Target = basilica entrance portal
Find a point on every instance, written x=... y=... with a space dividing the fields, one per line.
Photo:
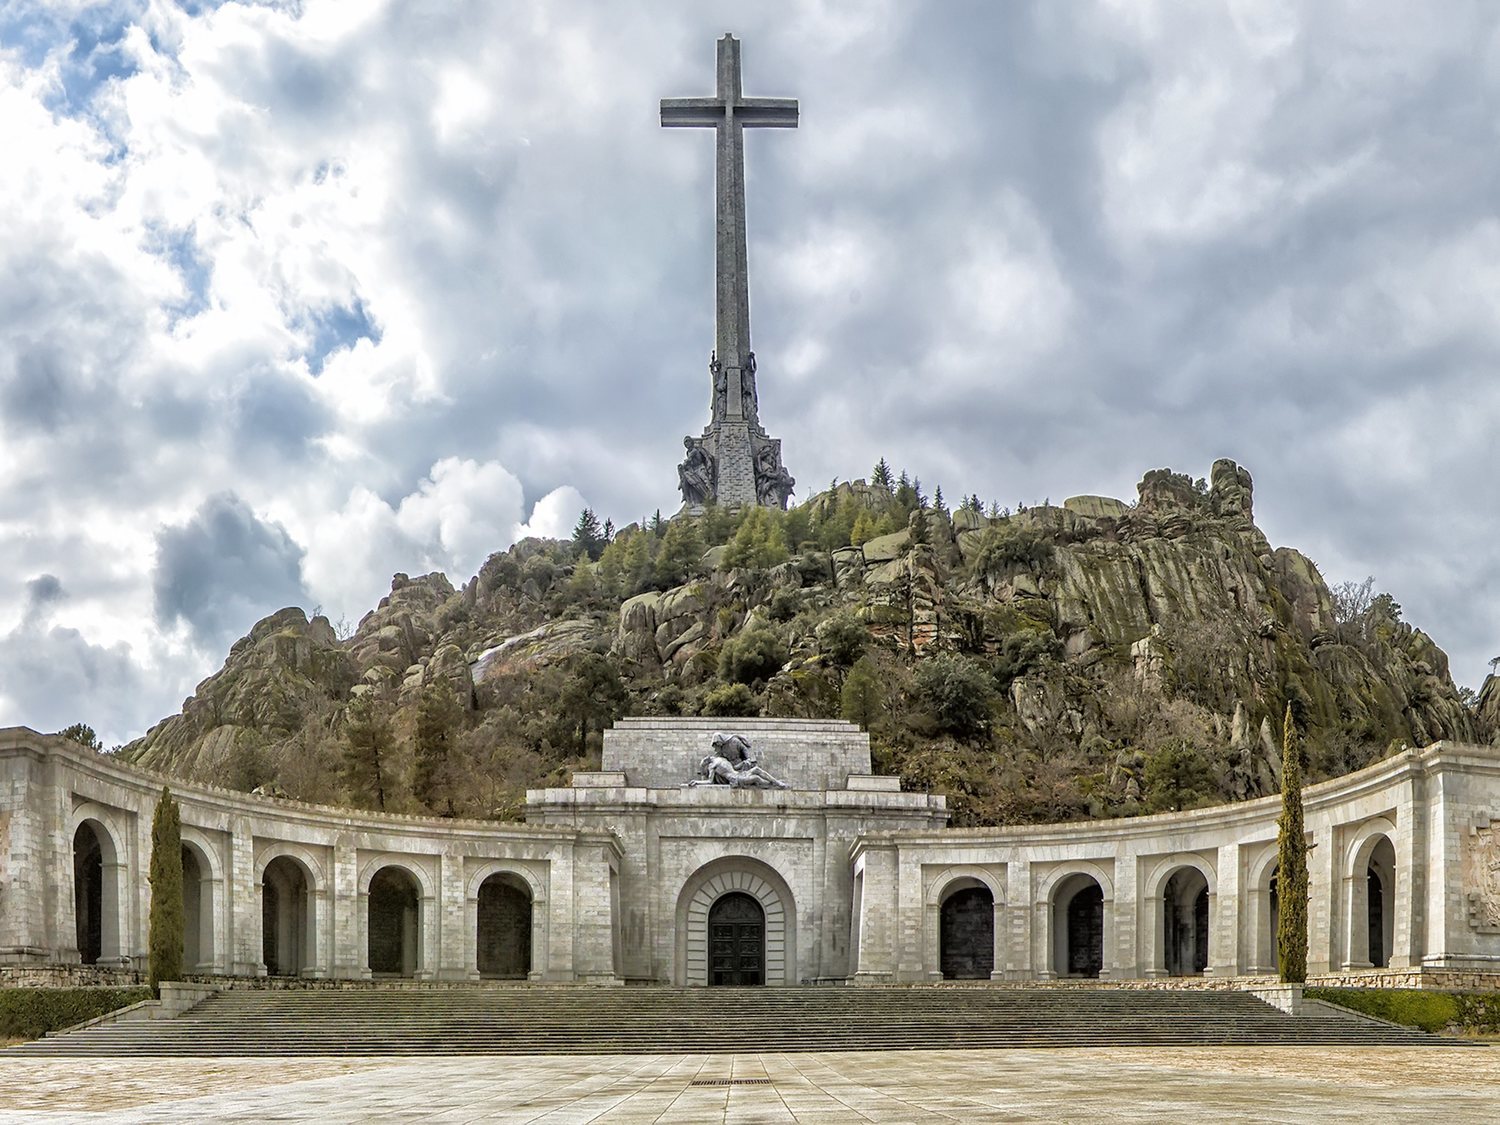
x=736 y=941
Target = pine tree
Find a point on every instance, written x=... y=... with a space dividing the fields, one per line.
x=1291 y=862
x=436 y=728
x=165 y=953
x=881 y=476
x=921 y=527
x=658 y=525
x=367 y=748
x=588 y=536
x=862 y=531
x=680 y=554
x=938 y=505
x=860 y=699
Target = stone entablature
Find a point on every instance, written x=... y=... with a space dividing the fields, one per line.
x=618 y=877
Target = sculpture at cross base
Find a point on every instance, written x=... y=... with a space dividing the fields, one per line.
x=695 y=476
x=733 y=763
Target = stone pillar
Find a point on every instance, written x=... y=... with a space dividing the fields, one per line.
x=1224 y=915
x=876 y=943
x=1323 y=908
x=1020 y=963
x=1154 y=927
x=1355 y=896
x=1411 y=874
x=245 y=890
x=1122 y=955
x=999 y=936
x=429 y=921
x=346 y=952
x=909 y=918
x=456 y=928
x=593 y=924
x=557 y=964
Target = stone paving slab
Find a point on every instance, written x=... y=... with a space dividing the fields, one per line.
x=1287 y=1084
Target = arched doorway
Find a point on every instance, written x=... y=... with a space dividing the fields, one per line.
x=394 y=923
x=197 y=914
x=503 y=937
x=88 y=893
x=286 y=918
x=966 y=933
x=736 y=940
x=1078 y=926
x=1380 y=892
x=1184 y=904
x=704 y=888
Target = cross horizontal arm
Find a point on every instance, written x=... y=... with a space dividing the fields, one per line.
x=691 y=112
x=769 y=113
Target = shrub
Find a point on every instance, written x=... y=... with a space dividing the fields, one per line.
x=842 y=639
x=29 y=1013
x=957 y=693
x=1430 y=1011
x=755 y=654
x=731 y=701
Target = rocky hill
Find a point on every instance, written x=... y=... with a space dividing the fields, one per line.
x=1097 y=658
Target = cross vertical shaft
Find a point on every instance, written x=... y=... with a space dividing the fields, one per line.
x=729 y=113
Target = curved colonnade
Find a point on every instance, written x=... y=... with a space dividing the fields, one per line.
x=614 y=882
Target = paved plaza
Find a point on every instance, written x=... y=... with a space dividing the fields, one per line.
x=1279 y=1083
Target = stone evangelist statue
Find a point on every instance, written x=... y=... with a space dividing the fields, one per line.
x=733 y=763
x=695 y=476
x=773 y=484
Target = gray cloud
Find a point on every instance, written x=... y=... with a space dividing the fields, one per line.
x=224 y=569
x=1024 y=250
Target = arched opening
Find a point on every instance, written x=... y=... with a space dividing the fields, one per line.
x=286 y=918
x=1380 y=877
x=503 y=940
x=88 y=893
x=1273 y=897
x=966 y=933
x=1078 y=923
x=393 y=925
x=703 y=889
x=197 y=913
x=1184 y=904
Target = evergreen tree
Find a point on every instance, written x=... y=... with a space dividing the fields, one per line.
x=588 y=536
x=860 y=700
x=863 y=529
x=1291 y=862
x=609 y=530
x=906 y=494
x=937 y=502
x=367 y=748
x=166 y=942
x=758 y=542
x=921 y=527
x=593 y=697
x=658 y=525
x=640 y=571
x=83 y=734
x=680 y=555
x=880 y=477
x=438 y=716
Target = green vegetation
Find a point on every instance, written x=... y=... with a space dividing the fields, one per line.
x=1473 y=1012
x=165 y=945
x=1034 y=666
x=1291 y=862
x=30 y=1013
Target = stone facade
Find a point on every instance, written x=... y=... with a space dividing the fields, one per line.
x=622 y=876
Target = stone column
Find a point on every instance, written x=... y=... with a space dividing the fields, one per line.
x=455 y=933
x=1224 y=915
x=876 y=962
x=346 y=952
x=909 y=918
x=1322 y=901
x=1020 y=963
x=1154 y=926
x=1122 y=954
x=593 y=924
x=245 y=891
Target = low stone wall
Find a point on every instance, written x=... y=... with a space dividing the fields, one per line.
x=67 y=976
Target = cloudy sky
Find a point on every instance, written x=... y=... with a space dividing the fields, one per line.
x=295 y=295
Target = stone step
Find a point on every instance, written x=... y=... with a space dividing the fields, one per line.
x=650 y=1021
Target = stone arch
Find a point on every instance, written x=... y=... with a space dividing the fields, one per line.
x=724 y=876
x=306 y=859
x=202 y=902
x=1180 y=904
x=101 y=908
x=503 y=930
x=1078 y=901
x=481 y=922
x=393 y=921
x=1261 y=888
x=287 y=883
x=963 y=935
x=1371 y=886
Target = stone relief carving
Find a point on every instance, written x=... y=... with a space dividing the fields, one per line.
x=721 y=387
x=695 y=476
x=1482 y=876
x=734 y=763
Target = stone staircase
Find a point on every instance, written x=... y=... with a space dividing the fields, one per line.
x=549 y=1021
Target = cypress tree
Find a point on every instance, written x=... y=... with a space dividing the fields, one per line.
x=1291 y=862
x=165 y=952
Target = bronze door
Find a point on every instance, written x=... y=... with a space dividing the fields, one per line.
x=736 y=941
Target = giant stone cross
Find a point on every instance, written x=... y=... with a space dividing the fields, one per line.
x=734 y=462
